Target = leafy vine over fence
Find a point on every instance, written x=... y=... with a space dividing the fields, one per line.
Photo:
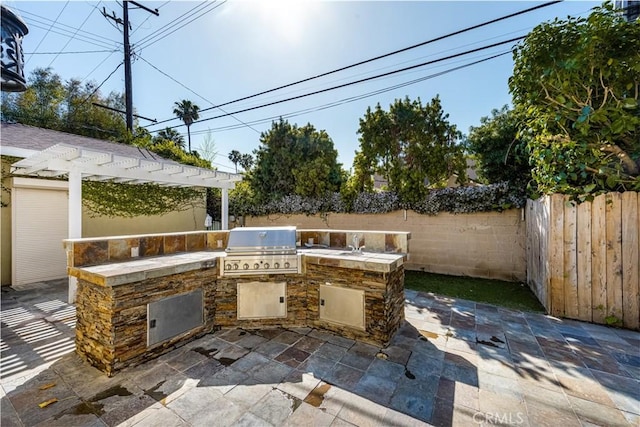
x=495 y=197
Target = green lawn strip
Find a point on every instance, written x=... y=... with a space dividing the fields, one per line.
x=517 y=296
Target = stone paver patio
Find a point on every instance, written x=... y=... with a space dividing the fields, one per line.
x=454 y=362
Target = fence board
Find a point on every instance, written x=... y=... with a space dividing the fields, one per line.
x=570 y=273
x=556 y=254
x=584 y=261
x=598 y=260
x=614 y=254
x=630 y=260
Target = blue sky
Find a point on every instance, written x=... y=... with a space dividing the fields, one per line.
x=236 y=48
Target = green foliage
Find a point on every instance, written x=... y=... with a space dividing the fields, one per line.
x=295 y=160
x=500 y=155
x=411 y=146
x=244 y=160
x=494 y=197
x=124 y=200
x=49 y=103
x=5 y=191
x=576 y=84
x=68 y=107
x=169 y=150
x=188 y=112
x=117 y=199
x=234 y=157
x=242 y=199
x=169 y=134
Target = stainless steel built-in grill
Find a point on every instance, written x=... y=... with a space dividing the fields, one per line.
x=261 y=250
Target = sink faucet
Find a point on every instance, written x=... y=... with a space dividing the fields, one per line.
x=356 y=244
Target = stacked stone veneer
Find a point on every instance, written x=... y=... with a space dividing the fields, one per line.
x=111 y=328
x=383 y=294
x=111 y=331
x=104 y=250
x=227 y=294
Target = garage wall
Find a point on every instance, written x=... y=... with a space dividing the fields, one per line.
x=30 y=244
x=39 y=211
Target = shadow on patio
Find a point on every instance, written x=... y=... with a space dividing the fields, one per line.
x=453 y=362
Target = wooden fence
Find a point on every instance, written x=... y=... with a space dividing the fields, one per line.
x=582 y=259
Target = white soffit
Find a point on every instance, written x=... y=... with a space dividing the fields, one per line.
x=61 y=159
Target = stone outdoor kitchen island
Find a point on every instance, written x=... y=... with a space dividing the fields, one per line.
x=142 y=296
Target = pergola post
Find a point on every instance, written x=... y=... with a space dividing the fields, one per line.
x=75 y=220
x=81 y=162
x=225 y=209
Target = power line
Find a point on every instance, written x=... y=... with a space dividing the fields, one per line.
x=103 y=82
x=511 y=15
x=69 y=52
x=72 y=37
x=147 y=18
x=59 y=25
x=195 y=93
x=84 y=39
x=47 y=33
x=171 y=23
x=98 y=66
x=355 y=97
x=360 y=80
x=152 y=42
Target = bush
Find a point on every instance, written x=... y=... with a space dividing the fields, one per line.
x=495 y=197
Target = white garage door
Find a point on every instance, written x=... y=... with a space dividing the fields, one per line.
x=39 y=215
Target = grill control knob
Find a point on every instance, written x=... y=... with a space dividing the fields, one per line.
x=235 y=266
x=266 y=265
x=245 y=266
x=276 y=265
x=286 y=264
x=256 y=266
x=227 y=267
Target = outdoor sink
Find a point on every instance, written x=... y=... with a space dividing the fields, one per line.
x=350 y=253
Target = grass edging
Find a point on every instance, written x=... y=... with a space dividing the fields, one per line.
x=512 y=295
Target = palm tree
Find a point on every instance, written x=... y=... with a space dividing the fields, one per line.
x=235 y=157
x=187 y=111
x=170 y=135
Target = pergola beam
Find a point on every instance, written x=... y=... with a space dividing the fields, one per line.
x=79 y=164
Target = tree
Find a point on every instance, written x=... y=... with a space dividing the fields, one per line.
x=49 y=103
x=235 y=157
x=412 y=146
x=208 y=147
x=500 y=154
x=576 y=84
x=169 y=134
x=289 y=157
x=187 y=111
x=246 y=161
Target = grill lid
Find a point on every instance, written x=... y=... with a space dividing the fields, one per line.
x=255 y=240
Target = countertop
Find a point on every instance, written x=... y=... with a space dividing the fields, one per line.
x=120 y=273
x=370 y=261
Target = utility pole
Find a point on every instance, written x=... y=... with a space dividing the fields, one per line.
x=128 y=85
x=128 y=90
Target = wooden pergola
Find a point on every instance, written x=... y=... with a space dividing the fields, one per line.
x=79 y=164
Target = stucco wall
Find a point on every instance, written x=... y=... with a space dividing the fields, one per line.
x=190 y=220
x=486 y=245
